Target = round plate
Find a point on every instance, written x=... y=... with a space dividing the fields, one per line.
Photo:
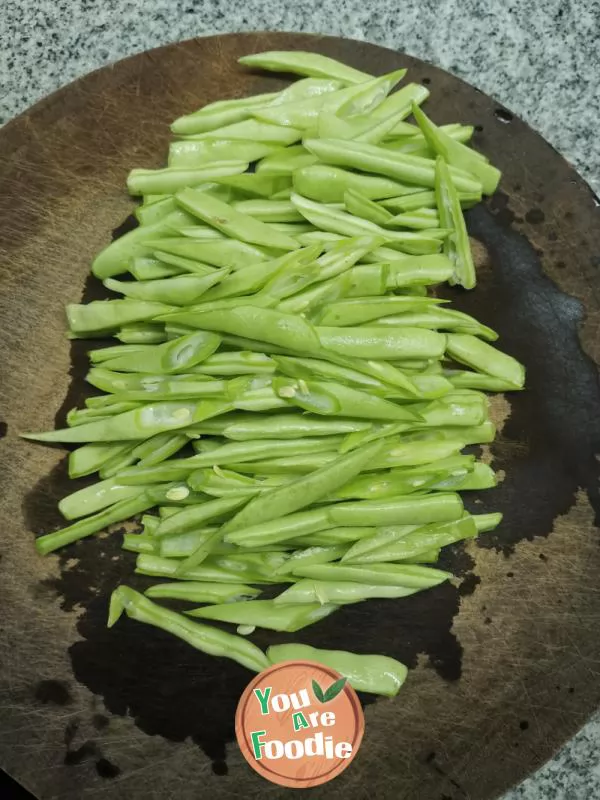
x=504 y=660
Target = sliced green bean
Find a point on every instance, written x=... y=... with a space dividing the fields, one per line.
x=337 y=221
x=366 y=673
x=303 y=63
x=284 y=500
x=469 y=350
x=279 y=530
x=203 y=592
x=338 y=592
x=231 y=221
x=102 y=316
x=457 y=154
x=202 y=637
x=181 y=290
x=172 y=179
x=396 y=166
x=190 y=153
x=266 y=614
x=398 y=511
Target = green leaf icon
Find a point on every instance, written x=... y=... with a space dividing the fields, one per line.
x=318 y=692
x=334 y=689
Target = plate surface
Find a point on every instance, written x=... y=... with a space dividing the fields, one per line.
x=505 y=661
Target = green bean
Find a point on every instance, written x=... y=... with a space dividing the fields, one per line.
x=159 y=567
x=182 y=545
x=447 y=437
x=150 y=213
x=232 y=222
x=401 y=101
x=172 y=179
x=269 y=210
x=411 y=544
x=328 y=397
x=306 y=368
x=141 y=333
x=94 y=498
x=181 y=290
x=158 y=448
x=398 y=511
x=91 y=457
x=257 y=185
x=118 y=512
x=361 y=206
x=101 y=316
x=139 y=543
x=279 y=530
x=304 y=63
x=203 y=592
x=476 y=380
x=422 y=200
x=457 y=154
x=382 y=537
x=115 y=258
x=332 y=537
x=139 y=423
x=253 y=130
x=311 y=555
x=282 y=426
x=210 y=117
x=285 y=162
x=469 y=350
x=221 y=483
x=366 y=673
x=328 y=184
x=382 y=343
x=114 y=465
x=266 y=614
x=359 y=310
x=190 y=153
x=338 y=592
x=355 y=99
x=487 y=522
x=236 y=363
x=482 y=476
x=172 y=357
x=218 y=253
x=336 y=221
x=195 y=516
x=80 y=416
x=416 y=221
x=442 y=319
x=202 y=637
x=266 y=325
x=185 y=265
x=284 y=500
x=412 y=576
x=457 y=246
x=396 y=166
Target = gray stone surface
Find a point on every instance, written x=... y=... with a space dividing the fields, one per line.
x=539 y=58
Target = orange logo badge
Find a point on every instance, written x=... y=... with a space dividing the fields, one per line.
x=299 y=724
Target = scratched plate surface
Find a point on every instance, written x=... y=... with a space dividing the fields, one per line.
x=504 y=661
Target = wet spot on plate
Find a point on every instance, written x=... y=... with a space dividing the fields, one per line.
x=53 y=692
x=107 y=769
x=100 y=722
x=545 y=462
x=503 y=115
x=81 y=754
x=535 y=216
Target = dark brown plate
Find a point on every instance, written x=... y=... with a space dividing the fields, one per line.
x=504 y=663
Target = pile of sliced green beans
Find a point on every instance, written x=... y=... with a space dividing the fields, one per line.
x=286 y=394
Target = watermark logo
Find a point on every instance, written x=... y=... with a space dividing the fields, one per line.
x=299 y=724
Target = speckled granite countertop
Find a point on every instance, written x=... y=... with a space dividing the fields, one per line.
x=539 y=58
